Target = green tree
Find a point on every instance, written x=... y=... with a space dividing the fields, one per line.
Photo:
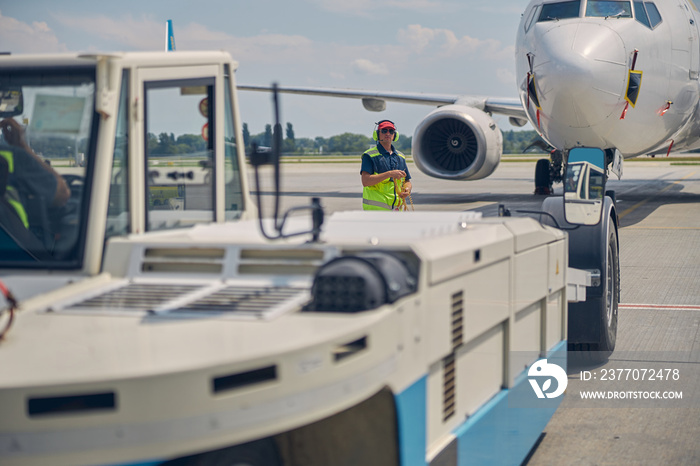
x=267 y=137
x=166 y=144
x=516 y=142
x=189 y=143
x=321 y=144
x=404 y=144
x=348 y=143
x=289 y=144
x=246 y=135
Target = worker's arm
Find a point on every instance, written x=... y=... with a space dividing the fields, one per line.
x=371 y=180
x=14 y=135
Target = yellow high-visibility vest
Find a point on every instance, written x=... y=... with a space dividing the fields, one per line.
x=11 y=194
x=381 y=196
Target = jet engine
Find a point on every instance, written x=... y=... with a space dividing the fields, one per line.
x=457 y=142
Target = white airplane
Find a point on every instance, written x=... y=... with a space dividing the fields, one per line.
x=621 y=76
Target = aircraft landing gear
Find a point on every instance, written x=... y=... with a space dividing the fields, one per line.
x=543 y=181
x=547 y=173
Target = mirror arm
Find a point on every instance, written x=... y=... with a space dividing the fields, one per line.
x=273 y=157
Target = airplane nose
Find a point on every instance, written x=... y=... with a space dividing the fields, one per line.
x=581 y=73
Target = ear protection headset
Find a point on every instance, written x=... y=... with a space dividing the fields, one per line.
x=375 y=134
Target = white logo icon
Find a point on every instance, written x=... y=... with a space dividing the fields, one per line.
x=542 y=369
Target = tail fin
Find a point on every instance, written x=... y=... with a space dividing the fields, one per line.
x=169 y=36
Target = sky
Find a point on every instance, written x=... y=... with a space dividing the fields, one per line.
x=432 y=46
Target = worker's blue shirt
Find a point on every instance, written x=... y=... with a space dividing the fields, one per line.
x=384 y=162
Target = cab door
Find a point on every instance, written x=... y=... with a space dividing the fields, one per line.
x=174 y=163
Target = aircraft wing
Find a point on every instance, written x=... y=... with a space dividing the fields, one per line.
x=375 y=101
x=459 y=140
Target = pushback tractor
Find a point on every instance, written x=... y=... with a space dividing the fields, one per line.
x=161 y=320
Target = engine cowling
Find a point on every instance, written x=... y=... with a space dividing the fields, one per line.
x=457 y=142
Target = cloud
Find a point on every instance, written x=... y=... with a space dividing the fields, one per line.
x=369 y=7
x=444 y=43
x=364 y=66
x=144 y=33
x=19 y=37
x=506 y=76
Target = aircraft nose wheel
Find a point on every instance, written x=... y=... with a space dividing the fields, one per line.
x=543 y=182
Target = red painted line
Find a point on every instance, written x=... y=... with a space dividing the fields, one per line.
x=679 y=307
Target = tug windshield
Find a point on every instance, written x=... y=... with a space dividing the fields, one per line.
x=47 y=122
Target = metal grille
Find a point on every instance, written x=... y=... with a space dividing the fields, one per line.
x=252 y=301
x=449 y=388
x=457 y=322
x=136 y=296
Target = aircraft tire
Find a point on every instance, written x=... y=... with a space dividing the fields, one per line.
x=543 y=182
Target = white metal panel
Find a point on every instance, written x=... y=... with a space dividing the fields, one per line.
x=530 y=234
x=457 y=255
x=526 y=338
x=531 y=272
x=480 y=370
x=558 y=262
x=555 y=326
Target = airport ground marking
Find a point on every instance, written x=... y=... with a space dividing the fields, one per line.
x=641 y=203
x=660 y=307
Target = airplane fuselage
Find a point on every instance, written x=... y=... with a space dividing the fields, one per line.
x=573 y=63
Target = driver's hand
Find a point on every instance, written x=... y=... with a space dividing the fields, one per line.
x=12 y=132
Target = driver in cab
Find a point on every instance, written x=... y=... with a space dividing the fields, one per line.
x=25 y=177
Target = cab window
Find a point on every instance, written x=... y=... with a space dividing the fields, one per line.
x=48 y=133
x=118 y=209
x=179 y=153
x=560 y=10
x=232 y=175
x=608 y=9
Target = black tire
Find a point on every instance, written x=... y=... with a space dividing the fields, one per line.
x=543 y=182
x=604 y=307
x=262 y=452
x=611 y=296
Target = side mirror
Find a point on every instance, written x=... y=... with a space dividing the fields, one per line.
x=11 y=102
x=584 y=186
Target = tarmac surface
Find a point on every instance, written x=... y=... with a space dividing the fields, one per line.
x=658 y=342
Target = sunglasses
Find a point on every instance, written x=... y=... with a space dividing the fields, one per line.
x=386 y=130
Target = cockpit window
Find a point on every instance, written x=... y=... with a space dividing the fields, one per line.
x=640 y=14
x=560 y=10
x=47 y=122
x=531 y=18
x=653 y=12
x=647 y=14
x=608 y=9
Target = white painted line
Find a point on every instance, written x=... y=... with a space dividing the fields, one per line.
x=660 y=307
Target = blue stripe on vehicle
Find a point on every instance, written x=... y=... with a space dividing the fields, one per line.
x=412 y=423
x=503 y=432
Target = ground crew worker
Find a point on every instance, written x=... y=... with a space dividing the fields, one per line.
x=28 y=174
x=381 y=165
